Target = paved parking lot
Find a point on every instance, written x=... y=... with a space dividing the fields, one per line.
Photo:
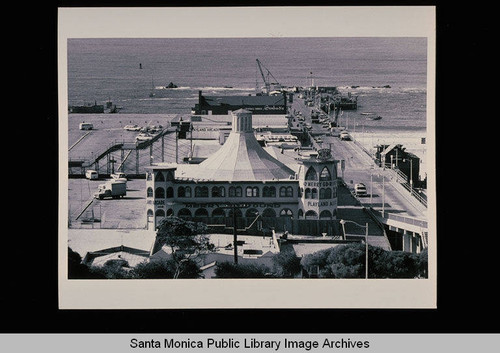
x=125 y=213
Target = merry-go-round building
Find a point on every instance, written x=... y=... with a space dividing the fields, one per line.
x=242 y=177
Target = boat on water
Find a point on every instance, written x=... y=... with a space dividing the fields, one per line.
x=87 y=108
x=171 y=85
x=378 y=117
x=152 y=93
x=366 y=113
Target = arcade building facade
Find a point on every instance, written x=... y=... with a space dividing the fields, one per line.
x=241 y=177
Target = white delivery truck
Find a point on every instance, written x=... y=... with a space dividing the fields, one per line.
x=112 y=188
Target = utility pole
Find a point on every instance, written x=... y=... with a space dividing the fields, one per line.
x=235 y=236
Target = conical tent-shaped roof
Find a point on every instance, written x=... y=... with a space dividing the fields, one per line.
x=241 y=158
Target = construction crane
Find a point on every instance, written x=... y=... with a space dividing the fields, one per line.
x=267 y=83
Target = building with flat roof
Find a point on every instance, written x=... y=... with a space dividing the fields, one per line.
x=243 y=178
x=259 y=104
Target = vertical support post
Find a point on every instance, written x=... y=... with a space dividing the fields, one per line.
x=177 y=145
x=235 y=236
x=383 y=195
x=137 y=162
x=366 y=251
x=163 y=147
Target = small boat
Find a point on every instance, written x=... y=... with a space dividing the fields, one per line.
x=171 y=85
x=367 y=113
x=152 y=93
x=378 y=117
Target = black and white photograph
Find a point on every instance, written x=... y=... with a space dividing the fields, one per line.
x=285 y=165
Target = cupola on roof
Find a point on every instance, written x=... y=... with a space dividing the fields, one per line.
x=241 y=158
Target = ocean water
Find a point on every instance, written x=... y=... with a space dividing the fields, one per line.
x=110 y=69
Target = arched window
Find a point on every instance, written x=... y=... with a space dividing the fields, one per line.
x=188 y=191
x=314 y=193
x=150 y=213
x=218 y=191
x=328 y=193
x=252 y=191
x=251 y=212
x=282 y=191
x=170 y=212
x=322 y=194
x=325 y=214
x=311 y=215
x=235 y=191
x=201 y=212
x=170 y=192
x=308 y=193
x=325 y=175
x=160 y=193
x=150 y=192
x=301 y=213
x=159 y=177
x=160 y=213
x=269 y=212
x=237 y=212
x=149 y=176
x=184 y=212
x=218 y=212
x=286 y=212
x=201 y=191
x=170 y=175
x=289 y=191
x=311 y=174
x=181 y=191
x=269 y=191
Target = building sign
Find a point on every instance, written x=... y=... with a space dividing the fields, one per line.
x=320 y=204
x=237 y=205
x=319 y=184
x=324 y=153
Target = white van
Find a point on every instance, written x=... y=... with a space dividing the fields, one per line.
x=86 y=126
x=119 y=176
x=91 y=174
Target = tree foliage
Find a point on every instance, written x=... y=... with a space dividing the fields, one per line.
x=186 y=240
x=164 y=269
x=232 y=270
x=349 y=261
x=286 y=264
x=78 y=270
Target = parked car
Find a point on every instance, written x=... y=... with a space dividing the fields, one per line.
x=344 y=135
x=132 y=127
x=143 y=137
x=360 y=189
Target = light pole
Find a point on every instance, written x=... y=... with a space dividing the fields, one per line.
x=371 y=185
x=411 y=173
x=383 y=195
x=343 y=222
